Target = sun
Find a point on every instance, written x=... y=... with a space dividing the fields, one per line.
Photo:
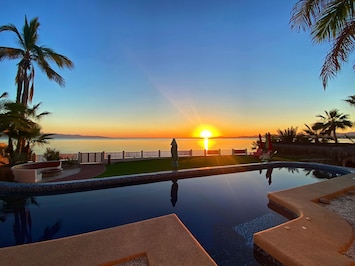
x=205 y=133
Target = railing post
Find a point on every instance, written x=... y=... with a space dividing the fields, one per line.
x=219 y=152
x=159 y=153
x=142 y=154
x=122 y=155
x=109 y=159
x=191 y=152
x=205 y=152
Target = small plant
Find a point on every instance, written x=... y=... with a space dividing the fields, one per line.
x=51 y=155
x=70 y=161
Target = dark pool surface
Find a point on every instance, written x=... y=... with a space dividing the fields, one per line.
x=221 y=211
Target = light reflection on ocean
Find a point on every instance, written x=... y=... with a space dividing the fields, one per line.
x=138 y=144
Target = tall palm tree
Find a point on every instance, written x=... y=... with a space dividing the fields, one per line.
x=28 y=53
x=329 y=21
x=332 y=121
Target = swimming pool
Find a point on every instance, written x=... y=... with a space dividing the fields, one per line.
x=221 y=211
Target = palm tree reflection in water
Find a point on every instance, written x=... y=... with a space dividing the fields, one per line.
x=22 y=226
x=268 y=175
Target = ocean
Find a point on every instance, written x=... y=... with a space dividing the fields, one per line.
x=75 y=145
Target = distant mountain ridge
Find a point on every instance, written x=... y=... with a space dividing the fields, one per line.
x=76 y=136
x=348 y=134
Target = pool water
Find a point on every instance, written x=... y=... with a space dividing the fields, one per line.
x=221 y=211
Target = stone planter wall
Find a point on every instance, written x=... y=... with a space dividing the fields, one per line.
x=344 y=154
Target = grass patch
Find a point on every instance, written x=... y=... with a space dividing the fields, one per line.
x=165 y=164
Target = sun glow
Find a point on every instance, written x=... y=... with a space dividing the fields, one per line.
x=206 y=134
x=205 y=131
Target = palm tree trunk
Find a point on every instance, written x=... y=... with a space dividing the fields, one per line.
x=335 y=136
x=19 y=90
x=19 y=81
x=26 y=85
x=10 y=147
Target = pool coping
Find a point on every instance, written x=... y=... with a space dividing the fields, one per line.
x=318 y=236
x=160 y=241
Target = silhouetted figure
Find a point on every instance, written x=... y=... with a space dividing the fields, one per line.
x=174 y=192
x=268 y=175
x=174 y=154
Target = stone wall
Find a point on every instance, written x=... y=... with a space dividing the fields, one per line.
x=342 y=153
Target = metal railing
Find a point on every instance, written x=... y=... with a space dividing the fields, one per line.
x=101 y=157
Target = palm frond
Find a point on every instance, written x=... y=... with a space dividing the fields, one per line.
x=52 y=75
x=10 y=53
x=60 y=60
x=4 y=95
x=342 y=47
x=351 y=100
x=304 y=13
x=332 y=20
x=12 y=28
x=30 y=33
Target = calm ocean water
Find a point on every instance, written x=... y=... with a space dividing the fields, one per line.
x=138 y=144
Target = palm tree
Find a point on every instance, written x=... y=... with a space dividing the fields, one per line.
x=28 y=53
x=329 y=21
x=312 y=132
x=288 y=135
x=332 y=121
x=17 y=124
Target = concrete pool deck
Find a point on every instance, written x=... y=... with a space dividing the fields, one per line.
x=317 y=237
x=158 y=241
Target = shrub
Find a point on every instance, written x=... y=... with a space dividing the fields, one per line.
x=51 y=155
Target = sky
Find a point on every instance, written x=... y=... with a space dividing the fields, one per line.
x=164 y=68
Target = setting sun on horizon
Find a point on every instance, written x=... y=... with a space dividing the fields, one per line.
x=205 y=131
x=206 y=134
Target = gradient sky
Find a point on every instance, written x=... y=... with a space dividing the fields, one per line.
x=163 y=68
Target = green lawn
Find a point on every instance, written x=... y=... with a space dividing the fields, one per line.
x=165 y=164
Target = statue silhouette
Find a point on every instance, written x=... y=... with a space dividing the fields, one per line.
x=174 y=192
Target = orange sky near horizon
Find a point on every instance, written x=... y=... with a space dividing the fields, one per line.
x=178 y=131
x=158 y=132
